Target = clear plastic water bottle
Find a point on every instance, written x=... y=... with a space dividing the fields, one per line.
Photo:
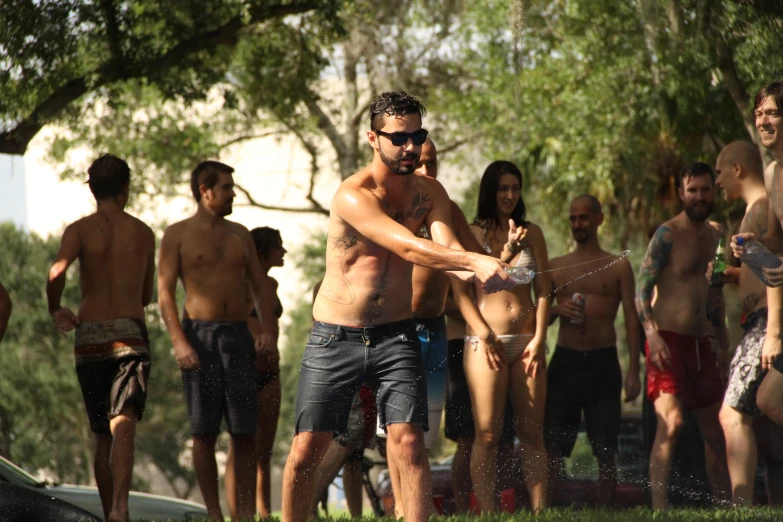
x=521 y=275
x=757 y=256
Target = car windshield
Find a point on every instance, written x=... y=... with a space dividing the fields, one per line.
x=12 y=473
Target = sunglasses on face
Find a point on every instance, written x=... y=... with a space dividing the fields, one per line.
x=399 y=139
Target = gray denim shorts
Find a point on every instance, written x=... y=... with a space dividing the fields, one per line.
x=338 y=359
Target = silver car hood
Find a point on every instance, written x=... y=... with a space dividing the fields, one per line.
x=141 y=505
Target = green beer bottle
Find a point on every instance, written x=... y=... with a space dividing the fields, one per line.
x=718 y=265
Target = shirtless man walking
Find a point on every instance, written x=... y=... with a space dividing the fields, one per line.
x=682 y=366
x=116 y=254
x=739 y=172
x=584 y=372
x=215 y=258
x=363 y=329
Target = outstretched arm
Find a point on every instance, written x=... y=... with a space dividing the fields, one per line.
x=364 y=213
x=70 y=248
x=5 y=310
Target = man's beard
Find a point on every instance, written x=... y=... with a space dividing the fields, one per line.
x=698 y=211
x=580 y=236
x=396 y=166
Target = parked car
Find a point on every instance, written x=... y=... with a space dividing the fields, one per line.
x=142 y=505
x=577 y=490
x=21 y=504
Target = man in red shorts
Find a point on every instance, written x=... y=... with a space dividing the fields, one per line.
x=682 y=364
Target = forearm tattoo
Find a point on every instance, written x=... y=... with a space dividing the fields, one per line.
x=655 y=259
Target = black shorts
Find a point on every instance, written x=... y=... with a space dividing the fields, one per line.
x=338 y=359
x=110 y=385
x=589 y=381
x=460 y=423
x=225 y=383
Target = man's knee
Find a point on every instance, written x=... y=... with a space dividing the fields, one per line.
x=670 y=424
x=730 y=418
x=408 y=442
x=308 y=448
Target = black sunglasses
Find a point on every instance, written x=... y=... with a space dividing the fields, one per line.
x=399 y=139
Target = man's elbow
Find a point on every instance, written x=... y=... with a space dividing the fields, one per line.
x=56 y=272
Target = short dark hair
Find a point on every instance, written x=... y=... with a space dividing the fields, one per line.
x=207 y=173
x=595 y=205
x=108 y=176
x=393 y=104
x=772 y=90
x=694 y=170
x=487 y=212
x=266 y=238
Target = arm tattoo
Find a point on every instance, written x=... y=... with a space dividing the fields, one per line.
x=418 y=210
x=336 y=287
x=654 y=260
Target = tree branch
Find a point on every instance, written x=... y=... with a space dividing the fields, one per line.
x=316 y=208
x=113 y=33
x=735 y=86
x=324 y=123
x=16 y=140
x=457 y=144
x=247 y=137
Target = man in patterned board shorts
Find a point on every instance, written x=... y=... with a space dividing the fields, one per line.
x=739 y=173
x=116 y=254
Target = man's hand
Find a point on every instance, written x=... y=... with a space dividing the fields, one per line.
x=265 y=344
x=633 y=386
x=737 y=249
x=187 y=358
x=534 y=357
x=770 y=351
x=660 y=355
x=491 y=272
x=494 y=350
x=568 y=309
x=65 y=320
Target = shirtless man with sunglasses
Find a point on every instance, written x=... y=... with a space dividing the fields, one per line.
x=363 y=329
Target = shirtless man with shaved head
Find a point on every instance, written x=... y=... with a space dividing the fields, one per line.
x=739 y=172
x=584 y=372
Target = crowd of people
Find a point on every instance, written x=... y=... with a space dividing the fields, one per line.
x=420 y=311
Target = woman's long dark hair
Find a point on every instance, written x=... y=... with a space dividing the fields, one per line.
x=487 y=212
x=265 y=239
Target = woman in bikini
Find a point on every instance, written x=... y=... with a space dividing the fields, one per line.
x=270 y=251
x=505 y=346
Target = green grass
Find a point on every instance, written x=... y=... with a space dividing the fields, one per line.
x=635 y=515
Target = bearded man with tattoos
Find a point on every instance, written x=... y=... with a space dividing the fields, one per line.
x=682 y=365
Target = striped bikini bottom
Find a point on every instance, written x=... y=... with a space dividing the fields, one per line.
x=514 y=344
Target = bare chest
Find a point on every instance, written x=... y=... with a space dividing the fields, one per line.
x=205 y=251
x=690 y=255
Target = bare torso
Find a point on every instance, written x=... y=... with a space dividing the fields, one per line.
x=602 y=293
x=681 y=299
x=509 y=311
x=116 y=264
x=752 y=292
x=213 y=269
x=366 y=284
